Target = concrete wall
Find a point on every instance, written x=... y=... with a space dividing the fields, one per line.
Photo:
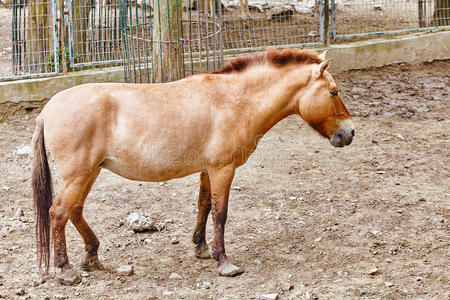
x=411 y=49
x=414 y=48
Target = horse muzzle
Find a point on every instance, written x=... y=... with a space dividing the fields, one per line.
x=343 y=136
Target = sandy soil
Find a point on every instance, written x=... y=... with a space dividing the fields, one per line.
x=306 y=220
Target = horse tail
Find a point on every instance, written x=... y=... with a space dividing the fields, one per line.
x=42 y=196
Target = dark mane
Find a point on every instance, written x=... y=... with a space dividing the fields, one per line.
x=278 y=58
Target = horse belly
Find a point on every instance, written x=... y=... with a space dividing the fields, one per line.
x=153 y=169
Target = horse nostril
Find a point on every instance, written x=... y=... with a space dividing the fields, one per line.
x=353 y=132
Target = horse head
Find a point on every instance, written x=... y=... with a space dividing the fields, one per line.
x=321 y=106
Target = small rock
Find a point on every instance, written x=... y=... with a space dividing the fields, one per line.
x=400 y=136
x=373 y=271
x=140 y=223
x=237 y=188
x=174 y=276
x=292 y=198
x=20 y=292
x=174 y=241
x=388 y=284
x=377 y=7
x=125 y=270
x=258 y=261
x=19 y=213
x=161 y=183
x=24 y=150
x=269 y=296
x=84 y=274
x=206 y=285
x=6 y=188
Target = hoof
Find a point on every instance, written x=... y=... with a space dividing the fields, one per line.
x=69 y=277
x=227 y=269
x=202 y=251
x=91 y=264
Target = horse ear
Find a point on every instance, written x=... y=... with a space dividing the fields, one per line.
x=323 y=55
x=323 y=66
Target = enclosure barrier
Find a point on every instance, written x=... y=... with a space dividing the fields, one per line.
x=50 y=37
x=162 y=44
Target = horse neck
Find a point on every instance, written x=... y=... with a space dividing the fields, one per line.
x=270 y=92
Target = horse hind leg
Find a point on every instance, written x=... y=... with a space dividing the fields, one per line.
x=91 y=242
x=204 y=207
x=60 y=211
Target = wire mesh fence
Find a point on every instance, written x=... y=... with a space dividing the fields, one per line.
x=30 y=48
x=257 y=24
x=159 y=50
x=94 y=32
x=47 y=37
x=359 y=18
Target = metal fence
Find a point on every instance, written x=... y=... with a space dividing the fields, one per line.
x=28 y=39
x=94 y=32
x=190 y=44
x=47 y=37
x=352 y=19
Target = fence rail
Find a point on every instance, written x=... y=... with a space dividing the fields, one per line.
x=41 y=38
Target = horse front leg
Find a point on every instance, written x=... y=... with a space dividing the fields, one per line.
x=204 y=207
x=221 y=179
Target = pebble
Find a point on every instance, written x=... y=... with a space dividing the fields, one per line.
x=373 y=271
x=19 y=213
x=20 y=292
x=140 y=223
x=270 y=296
x=125 y=270
x=24 y=150
x=161 y=183
x=206 y=285
x=84 y=274
x=258 y=261
x=388 y=284
x=174 y=241
x=292 y=198
x=174 y=276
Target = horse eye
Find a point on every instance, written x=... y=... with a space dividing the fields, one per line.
x=334 y=93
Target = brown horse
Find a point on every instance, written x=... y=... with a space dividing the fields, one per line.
x=208 y=123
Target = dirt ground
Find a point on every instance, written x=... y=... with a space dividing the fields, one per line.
x=306 y=220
